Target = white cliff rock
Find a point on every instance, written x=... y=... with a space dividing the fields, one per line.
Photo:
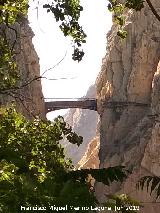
x=84 y=123
x=130 y=134
x=29 y=98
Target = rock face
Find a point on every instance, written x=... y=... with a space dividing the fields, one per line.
x=84 y=123
x=130 y=125
x=29 y=98
x=90 y=158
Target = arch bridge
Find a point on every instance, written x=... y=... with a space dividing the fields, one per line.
x=65 y=103
x=86 y=103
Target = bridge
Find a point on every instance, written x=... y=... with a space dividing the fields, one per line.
x=86 y=103
x=65 y=103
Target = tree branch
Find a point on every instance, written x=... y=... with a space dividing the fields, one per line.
x=21 y=100
x=55 y=64
x=153 y=10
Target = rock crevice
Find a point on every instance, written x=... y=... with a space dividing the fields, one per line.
x=129 y=135
x=29 y=97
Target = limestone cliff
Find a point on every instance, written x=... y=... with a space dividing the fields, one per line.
x=90 y=158
x=84 y=123
x=28 y=98
x=130 y=125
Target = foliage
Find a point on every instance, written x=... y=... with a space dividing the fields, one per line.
x=152 y=183
x=122 y=203
x=118 y=8
x=9 y=11
x=33 y=170
x=8 y=69
x=67 y=12
x=107 y=176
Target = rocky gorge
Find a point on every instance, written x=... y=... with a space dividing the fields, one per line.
x=28 y=97
x=129 y=128
x=83 y=122
x=127 y=131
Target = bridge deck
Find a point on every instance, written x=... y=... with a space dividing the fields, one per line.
x=83 y=104
x=88 y=103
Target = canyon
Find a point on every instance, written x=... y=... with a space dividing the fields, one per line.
x=84 y=123
x=28 y=98
x=129 y=134
x=126 y=133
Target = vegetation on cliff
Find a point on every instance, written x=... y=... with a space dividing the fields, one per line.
x=67 y=13
x=33 y=170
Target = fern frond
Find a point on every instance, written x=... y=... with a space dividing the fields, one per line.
x=151 y=182
x=105 y=175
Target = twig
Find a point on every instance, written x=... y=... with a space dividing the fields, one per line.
x=153 y=9
x=55 y=79
x=55 y=64
x=18 y=98
x=20 y=87
x=16 y=34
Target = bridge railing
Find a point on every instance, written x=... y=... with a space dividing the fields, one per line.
x=83 y=103
x=67 y=99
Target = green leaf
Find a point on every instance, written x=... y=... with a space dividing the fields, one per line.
x=122 y=34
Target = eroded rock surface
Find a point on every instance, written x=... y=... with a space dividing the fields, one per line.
x=130 y=133
x=84 y=123
x=90 y=158
x=29 y=98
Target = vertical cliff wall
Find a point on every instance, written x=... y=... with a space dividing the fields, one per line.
x=130 y=133
x=90 y=157
x=29 y=97
x=84 y=123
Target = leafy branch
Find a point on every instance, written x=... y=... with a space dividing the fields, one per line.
x=152 y=183
x=9 y=11
x=118 y=9
x=67 y=12
x=34 y=169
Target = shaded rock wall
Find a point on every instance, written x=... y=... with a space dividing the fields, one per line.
x=90 y=158
x=29 y=98
x=129 y=134
x=84 y=123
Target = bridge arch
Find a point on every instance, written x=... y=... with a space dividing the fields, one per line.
x=83 y=103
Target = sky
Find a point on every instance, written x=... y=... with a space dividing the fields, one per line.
x=70 y=79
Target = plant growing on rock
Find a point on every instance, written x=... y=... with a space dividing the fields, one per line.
x=33 y=168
